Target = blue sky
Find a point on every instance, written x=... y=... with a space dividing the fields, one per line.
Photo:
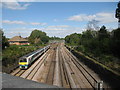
x=55 y=18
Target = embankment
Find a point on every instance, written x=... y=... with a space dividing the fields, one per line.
x=106 y=74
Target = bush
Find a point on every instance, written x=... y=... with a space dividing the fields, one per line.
x=11 y=54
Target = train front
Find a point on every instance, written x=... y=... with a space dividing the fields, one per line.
x=23 y=64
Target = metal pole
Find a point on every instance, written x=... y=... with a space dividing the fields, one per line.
x=44 y=49
x=100 y=85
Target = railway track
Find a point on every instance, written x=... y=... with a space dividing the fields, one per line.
x=47 y=70
x=33 y=68
x=58 y=66
x=81 y=78
x=61 y=77
x=89 y=77
x=50 y=76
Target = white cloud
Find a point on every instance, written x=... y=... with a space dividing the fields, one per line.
x=101 y=17
x=61 y=30
x=36 y=23
x=22 y=22
x=14 y=5
x=13 y=22
x=81 y=17
x=57 y=27
x=24 y=32
x=106 y=17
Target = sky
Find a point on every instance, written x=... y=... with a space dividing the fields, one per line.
x=55 y=18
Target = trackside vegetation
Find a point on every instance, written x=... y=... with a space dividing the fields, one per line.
x=102 y=45
x=12 y=53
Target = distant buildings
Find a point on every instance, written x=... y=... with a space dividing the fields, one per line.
x=18 y=40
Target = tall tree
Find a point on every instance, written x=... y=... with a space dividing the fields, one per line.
x=5 y=42
x=73 y=39
x=104 y=40
x=102 y=33
x=38 y=37
x=115 y=42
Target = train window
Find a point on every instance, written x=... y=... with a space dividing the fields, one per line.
x=23 y=60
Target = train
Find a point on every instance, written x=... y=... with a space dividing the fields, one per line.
x=27 y=60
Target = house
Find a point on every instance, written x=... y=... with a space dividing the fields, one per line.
x=18 y=40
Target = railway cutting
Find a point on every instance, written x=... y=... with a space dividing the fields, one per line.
x=56 y=65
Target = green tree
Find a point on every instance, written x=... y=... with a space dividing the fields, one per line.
x=5 y=42
x=103 y=33
x=56 y=38
x=38 y=37
x=73 y=39
x=45 y=39
x=115 y=42
x=86 y=38
x=104 y=40
x=67 y=39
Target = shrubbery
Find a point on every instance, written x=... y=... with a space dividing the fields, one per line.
x=11 y=54
x=102 y=45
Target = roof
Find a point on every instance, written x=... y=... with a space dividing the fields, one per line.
x=17 y=38
x=31 y=53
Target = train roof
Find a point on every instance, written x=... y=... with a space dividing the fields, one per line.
x=31 y=53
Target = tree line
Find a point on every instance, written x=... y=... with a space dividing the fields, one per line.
x=102 y=45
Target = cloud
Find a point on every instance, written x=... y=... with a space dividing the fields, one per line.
x=13 y=22
x=23 y=31
x=57 y=27
x=102 y=17
x=61 y=30
x=14 y=5
x=22 y=23
x=81 y=17
x=36 y=23
x=106 y=17
x=55 y=20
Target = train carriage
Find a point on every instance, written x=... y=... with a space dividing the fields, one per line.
x=26 y=61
